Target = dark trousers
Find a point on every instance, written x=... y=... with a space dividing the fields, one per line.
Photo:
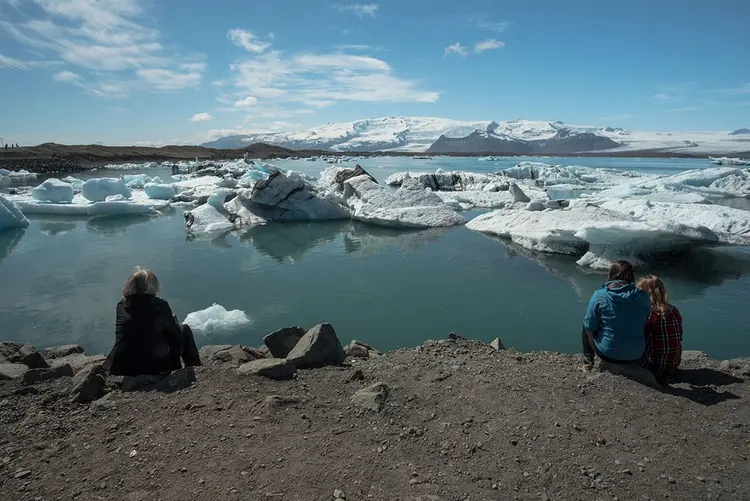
x=589 y=350
x=188 y=349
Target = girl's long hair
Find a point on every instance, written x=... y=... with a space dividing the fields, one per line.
x=655 y=288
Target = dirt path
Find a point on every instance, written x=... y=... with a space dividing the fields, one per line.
x=461 y=422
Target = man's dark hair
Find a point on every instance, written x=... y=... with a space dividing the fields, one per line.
x=621 y=270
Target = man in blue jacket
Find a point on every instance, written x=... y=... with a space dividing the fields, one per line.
x=615 y=319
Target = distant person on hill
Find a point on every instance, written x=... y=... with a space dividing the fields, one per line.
x=615 y=318
x=663 y=333
x=148 y=337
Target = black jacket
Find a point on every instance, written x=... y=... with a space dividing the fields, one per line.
x=147 y=338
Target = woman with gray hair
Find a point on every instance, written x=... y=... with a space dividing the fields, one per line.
x=148 y=337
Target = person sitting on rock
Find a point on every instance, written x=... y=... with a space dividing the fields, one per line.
x=663 y=332
x=615 y=319
x=148 y=337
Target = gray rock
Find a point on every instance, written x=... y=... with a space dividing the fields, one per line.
x=33 y=376
x=693 y=355
x=318 y=347
x=234 y=355
x=263 y=350
x=358 y=349
x=518 y=194
x=497 y=344
x=89 y=384
x=207 y=352
x=18 y=353
x=372 y=398
x=61 y=351
x=274 y=368
x=11 y=371
x=78 y=361
x=282 y=341
x=178 y=380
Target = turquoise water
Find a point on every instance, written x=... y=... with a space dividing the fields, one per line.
x=61 y=278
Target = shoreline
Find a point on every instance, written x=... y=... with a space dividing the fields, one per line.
x=443 y=421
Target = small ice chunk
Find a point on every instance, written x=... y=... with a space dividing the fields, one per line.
x=218 y=198
x=209 y=220
x=115 y=198
x=53 y=190
x=159 y=191
x=97 y=190
x=518 y=194
x=11 y=215
x=216 y=320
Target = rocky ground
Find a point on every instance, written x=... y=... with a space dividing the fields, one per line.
x=450 y=420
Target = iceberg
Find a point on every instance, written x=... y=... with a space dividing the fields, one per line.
x=598 y=234
x=729 y=161
x=465 y=200
x=81 y=207
x=11 y=215
x=159 y=191
x=210 y=220
x=446 y=181
x=216 y=320
x=53 y=190
x=12 y=177
x=97 y=190
x=139 y=181
x=716 y=181
x=76 y=183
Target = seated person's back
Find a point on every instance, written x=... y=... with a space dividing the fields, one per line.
x=663 y=331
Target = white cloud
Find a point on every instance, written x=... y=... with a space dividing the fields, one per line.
x=166 y=79
x=456 y=48
x=246 y=102
x=484 y=23
x=111 y=37
x=9 y=62
x=111 y=90
x=353 y=47
x=665 y=97
x=489 y=44
x=247 y=40
x=67 y=76
x=201 y=117
x=358 y=9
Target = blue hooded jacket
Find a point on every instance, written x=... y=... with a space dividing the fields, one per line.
x=617 y=315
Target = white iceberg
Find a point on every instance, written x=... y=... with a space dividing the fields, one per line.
x=53 y=190
x=116 y=205
x=139 y=181
x=446 y=181
x=11 y=215
x=716 y=181
x=216 y=320
x=208 y=219
x=12 y=177
x=97 y=190
x=599 y=234
x=159 y=191
x=76 y=183
x=465 y=200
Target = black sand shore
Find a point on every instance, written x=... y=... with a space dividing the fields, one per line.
x=452 y=420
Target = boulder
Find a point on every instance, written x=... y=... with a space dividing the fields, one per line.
x=318 y=347
x=208 y=351
x=78 y=361
x=518 y=194
x=497 y=344
x=372 y=398
x=33 y=376
x=11 y=371
x=358 y=349
x=235 y=355
x=282 y=341
x=61 y=351
x=19 y=353
x=274 y=368
x=89 y=384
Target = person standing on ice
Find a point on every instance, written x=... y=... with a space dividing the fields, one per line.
x=615 y=319
x=663 y=331
x=148 y=338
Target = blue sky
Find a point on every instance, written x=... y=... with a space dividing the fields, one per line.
x=184 y=71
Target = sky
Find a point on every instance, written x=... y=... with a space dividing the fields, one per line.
x=187 y=71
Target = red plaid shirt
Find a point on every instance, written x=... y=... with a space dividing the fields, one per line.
x=663 y=342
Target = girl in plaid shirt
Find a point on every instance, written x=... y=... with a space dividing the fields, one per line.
x=663 y=332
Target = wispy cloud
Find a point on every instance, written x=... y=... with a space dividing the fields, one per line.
x=248 y=40
x=456 y=48
x=489 y=44
x=686 y=109
x=201 y=117
x=483 y=22
x=9 y=62
x=358 y=9
x=67 y=76
x=109 y=37
x=737 y=91
x=285 y=84
x=615 y=118
x=666 y=97
x=357 y=47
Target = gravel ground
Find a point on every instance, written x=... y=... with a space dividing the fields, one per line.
x=460 y=422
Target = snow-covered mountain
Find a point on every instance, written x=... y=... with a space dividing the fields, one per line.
x=440 y=135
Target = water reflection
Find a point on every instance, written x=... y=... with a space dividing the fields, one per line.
x=9 y=239
x=370 y=239
x=115 y=225
x=687 y=277
x=52 y=227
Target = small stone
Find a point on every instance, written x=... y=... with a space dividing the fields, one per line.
x=34 y=376
x=514 y=442
x=22 y=474
x=274 y=368
x=495 y=487
x=497 y=345
x=700 y=479
x=201 y=481
x=357 y=375
x=602 y=441
x=671 y=480
x=339 y=494
x=372 y=398
x=626 y=471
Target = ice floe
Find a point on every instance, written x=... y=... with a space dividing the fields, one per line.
x=11 y=215
x=159 y=191
x=80 y=206
x=97 y=190
x=54 y=191
x=216 y=320
x=730 y=161
x=13 y=177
